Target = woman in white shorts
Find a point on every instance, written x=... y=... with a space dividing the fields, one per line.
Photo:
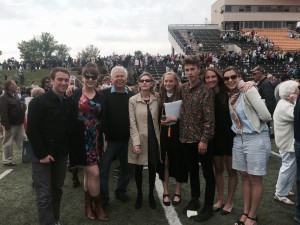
x=251 y=145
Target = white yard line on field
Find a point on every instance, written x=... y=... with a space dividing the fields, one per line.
x=170 y=212
x=5 y=173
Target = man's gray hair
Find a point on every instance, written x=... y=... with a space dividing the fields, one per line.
x=118 y=68
x=287 y=88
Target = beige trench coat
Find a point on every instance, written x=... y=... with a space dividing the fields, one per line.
x=139 y=129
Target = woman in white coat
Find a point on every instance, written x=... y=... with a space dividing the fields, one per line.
x=144 y=143
x=284 y=139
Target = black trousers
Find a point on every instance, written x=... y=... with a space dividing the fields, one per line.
x=48 y=182
x=138 y=173
x=192 y=159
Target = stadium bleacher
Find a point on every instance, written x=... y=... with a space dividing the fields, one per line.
x=212 y=43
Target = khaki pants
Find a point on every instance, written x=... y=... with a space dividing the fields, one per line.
x=17 y=134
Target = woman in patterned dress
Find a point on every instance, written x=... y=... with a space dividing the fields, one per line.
x=87 y=142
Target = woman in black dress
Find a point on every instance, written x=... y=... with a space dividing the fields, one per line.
x=222 y=143
x=171 y=153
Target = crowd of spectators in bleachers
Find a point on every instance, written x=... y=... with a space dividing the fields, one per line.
x=293 y=34
x=248 y=37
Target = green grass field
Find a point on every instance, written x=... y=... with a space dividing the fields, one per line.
x=29 y=76
x=17 y=205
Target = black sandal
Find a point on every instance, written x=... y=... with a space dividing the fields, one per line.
x=168 y=203
x=176 y=202
x=238 y=222
x=253 y=219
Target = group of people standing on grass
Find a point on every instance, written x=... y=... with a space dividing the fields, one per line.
x=222 y=119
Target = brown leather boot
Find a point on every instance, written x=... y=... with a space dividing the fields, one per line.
x=88 y=206
x=101 y=215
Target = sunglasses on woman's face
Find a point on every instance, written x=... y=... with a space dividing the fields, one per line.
x=145 y=81
x=90 y=76
x=232 y=77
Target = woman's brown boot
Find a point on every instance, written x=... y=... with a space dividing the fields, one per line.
x=88 y=206
x=101 y=215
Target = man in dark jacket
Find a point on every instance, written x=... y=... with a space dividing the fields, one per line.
x=117 y=134
x=297 y=153
x=265 y=88
x=266 y=91
x=50 y=117
x=12 y=117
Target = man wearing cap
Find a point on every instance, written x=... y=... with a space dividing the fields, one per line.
x=265 y=88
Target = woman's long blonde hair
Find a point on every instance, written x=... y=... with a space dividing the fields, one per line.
x=163 y=92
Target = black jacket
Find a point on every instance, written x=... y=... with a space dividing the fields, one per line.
x=266 y=91
x=11 y=110
x=297 y=120
x=49 y=122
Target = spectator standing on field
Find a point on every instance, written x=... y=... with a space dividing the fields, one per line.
x=116 y=117
x=12 y=118
x=197 y=124
x=50 y=119
x=284 y=139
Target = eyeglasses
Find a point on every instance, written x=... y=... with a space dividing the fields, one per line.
x=145 y=81
x=232 y=77
x=253 y=74
x=90 y=76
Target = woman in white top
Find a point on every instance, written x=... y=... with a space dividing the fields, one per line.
x=284 y=139
x=251 y=145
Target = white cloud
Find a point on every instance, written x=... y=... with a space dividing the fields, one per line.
x=120 y=26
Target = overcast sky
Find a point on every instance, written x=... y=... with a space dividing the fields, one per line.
x=120 y=26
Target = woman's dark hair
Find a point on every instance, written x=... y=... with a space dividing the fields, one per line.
x=90 y=68
x=221 y=84
x=229 y=68
x=43 y=81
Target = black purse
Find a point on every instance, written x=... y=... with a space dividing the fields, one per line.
x=27 y=153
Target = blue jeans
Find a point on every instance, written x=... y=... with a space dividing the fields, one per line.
x=114 y=149
x=297 y=152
